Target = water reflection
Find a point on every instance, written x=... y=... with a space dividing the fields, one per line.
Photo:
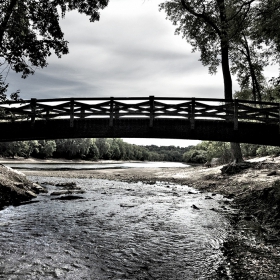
x=117 y=231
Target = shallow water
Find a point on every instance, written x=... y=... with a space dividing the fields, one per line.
x=117 y=231
x=87 y=166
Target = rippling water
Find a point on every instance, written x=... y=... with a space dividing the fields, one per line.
x=117 y=231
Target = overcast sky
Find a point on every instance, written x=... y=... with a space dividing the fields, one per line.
x=131 y=51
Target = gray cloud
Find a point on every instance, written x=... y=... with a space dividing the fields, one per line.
x=131 y=51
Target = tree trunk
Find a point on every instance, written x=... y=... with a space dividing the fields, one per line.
x=255 y=82
x=234 y=147
x=226 y=71
x=236 y=152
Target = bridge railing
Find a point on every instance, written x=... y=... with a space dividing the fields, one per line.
x=143 y=107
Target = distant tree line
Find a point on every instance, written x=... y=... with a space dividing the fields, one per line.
x=90 y=149
x=117 y=149
x=206 y=150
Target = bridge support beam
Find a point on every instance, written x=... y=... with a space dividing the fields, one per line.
x=33 y=110
x=192 y=114
x=255 y=133
x=71 y=112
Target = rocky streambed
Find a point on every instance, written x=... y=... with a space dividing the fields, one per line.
x=15 y=188
x=114 y=230
x=252 y=248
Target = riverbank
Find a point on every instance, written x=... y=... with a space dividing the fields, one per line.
x=253 y=248
x=15 y=188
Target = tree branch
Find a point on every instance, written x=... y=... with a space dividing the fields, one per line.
x=205 y=17
x=241 y=7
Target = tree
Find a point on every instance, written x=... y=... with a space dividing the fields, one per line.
x=270 y=92
x=262 y=47
x=249 y=150
x=266 y=29
x=123 y=149
x=30 y=30
x=18 y=148
x=115 y=150
x=28 y=147
x=217 y=149
x=10 y=149
x=103 y=147
x=73 y=148
x=195 y=156
x=248 y=63
x=46 y=149
x=211 y=27
x=93 y=153
x=266 y=26
x=3 y=89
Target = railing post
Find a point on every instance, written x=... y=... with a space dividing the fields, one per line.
x=192 y=119
x=117 y=111
x=71 y=112
x=235 y=114
x=152 y=108
x=111 y=111
x=33 y=109
x=47 y=115
x=82 y=113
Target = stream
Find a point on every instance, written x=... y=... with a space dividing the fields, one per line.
x=115 y=230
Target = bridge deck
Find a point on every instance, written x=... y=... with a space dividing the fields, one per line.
x=180 y=118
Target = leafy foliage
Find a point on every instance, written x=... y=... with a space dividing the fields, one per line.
x=248 y=63
x=3 y=91
x=45 y=149
x=117 y=149
x=209 y=26
x=207 y=150
x=242 y=32
x=166 y=153
x=30 y=31
x=72 y=148
x=270 y=92
x=266 y=25
x=91 y=149
x=195 y=156
x=18 y=148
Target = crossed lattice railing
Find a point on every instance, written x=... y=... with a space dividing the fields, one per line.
x=151 y=108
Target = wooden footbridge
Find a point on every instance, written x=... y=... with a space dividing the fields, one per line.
x=145 y=117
